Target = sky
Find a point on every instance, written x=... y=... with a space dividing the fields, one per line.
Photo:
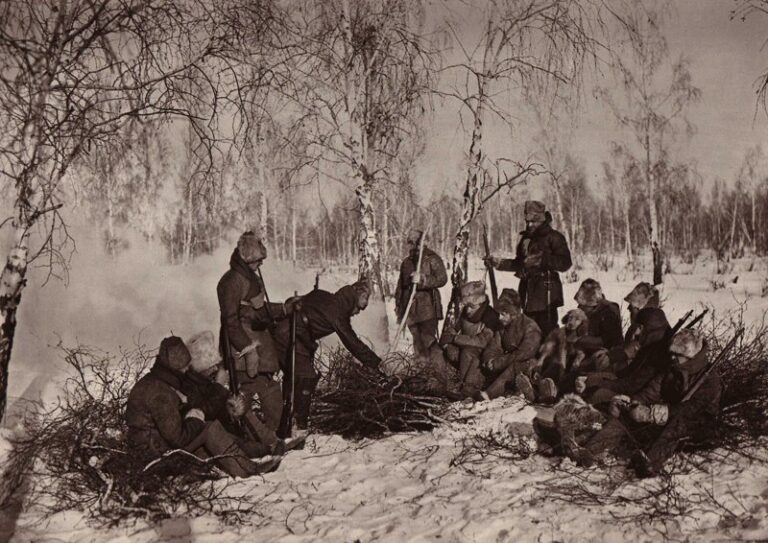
x=727 y=56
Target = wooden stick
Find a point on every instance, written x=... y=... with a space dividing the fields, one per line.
x=413 y=291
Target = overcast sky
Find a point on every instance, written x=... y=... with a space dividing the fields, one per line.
x=726 y=58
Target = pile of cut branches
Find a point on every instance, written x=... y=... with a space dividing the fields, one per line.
x=356 y=402
x=74 y=455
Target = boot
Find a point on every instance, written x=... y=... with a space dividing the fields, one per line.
x=547 y=391
x=525 y=387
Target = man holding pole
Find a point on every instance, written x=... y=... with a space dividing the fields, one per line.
x=426 y=308
x=541 y=254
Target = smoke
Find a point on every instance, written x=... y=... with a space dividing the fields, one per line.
x=139 y=298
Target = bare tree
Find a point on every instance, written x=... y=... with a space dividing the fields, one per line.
x=72 y=73
x=653 y=103
x=541 y=43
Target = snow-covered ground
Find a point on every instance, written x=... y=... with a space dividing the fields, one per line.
x=403 y=487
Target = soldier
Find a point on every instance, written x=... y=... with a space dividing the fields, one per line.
x=426 y=308
x=474 y=331
x=604 y=328
x=514 y=347
x=245 y=319
x=655 y=420
x=541 y=253
x=159 y=418
x=320 y=314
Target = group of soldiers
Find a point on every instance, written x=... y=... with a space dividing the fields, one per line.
x=650 y=383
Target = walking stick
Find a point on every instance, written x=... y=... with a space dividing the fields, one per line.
x=413 y=291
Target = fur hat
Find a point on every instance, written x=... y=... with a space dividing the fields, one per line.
x=414 y=236
x=686 y=342
x=173 y=353
x=644 y=294
x=534 y=211
x=473 y=292
x=509 y=301
x=654 y=322
x=203 y=350
x=362 y=287
x=251 y=248
x=573 y=415
x=590 y=293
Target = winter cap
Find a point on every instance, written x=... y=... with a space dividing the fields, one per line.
x=534 y=211
x=509 y=301
x=575 y=314
x=590 y=293
x=203 y=350
x=644 y=294
x=173 y=353
x=687 y=343
x=362 y=287
x=414 y=236
x=473 y=292
x=251 y=248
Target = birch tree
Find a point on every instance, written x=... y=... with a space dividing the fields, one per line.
x=72 y=73
x=524 y=43
x=652 y=106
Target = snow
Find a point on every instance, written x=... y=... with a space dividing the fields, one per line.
x=400 y=488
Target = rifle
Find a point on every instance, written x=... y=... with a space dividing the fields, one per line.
x=266 y=300
x=679 y=324
x=700 y=381
x=286 y=419
x=242 y=424
x=491 y=272
x=317 y=281
x=697 y=319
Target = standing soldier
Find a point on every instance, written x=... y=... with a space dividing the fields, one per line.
x=426 y=308
x=541 y=253
x=245 y=319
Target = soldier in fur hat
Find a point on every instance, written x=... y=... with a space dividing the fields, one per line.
x=426 y=309
x=246 y=317
x=604 y=318
x=474 y=331
x=513 y=348
x=541 y=254
x=160 y=418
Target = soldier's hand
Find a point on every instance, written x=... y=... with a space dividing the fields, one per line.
x=416 y=278
x=222 y=377
x=238 y=405
x=632 y=348
x=581 y=384
x=491 y=261
x=618 y=404
x=489 y=364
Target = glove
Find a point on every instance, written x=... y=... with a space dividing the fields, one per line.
x=292 y=304
x=222 y=377
x=237 y=406
x=654 y=414
x=581 y=384
x=491 y=261
x=415 y=278
x=632 y=348
x=195 y=414
x=618 y=404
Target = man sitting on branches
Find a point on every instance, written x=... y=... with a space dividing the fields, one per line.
x=160 y=419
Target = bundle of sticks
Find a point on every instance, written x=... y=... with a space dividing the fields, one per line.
x=356 y=402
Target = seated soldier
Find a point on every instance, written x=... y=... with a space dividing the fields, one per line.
x=642 y=358
x=159 y=418
x=653 y=422
x=318 y=315
x=473 y=333
x=604 y=318
x=558 y=355
x=513 y=349
x=205 y=383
